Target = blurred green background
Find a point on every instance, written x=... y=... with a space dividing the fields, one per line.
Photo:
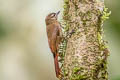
x=24 y=51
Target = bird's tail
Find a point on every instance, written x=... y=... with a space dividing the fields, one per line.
x=57 y=69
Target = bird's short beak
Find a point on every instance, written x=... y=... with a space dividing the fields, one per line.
x=57 y=13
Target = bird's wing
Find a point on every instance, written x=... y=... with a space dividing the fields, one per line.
x=59 y=36
x=52 y=33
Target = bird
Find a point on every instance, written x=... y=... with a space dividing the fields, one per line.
x=54 y=34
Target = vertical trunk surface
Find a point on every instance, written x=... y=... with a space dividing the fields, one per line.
x=86 y=53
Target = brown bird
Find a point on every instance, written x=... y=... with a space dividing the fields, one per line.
x=54 y=35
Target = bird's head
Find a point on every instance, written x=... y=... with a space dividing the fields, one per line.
x=52 y=17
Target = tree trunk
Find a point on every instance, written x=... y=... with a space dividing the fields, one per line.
x=85 y=52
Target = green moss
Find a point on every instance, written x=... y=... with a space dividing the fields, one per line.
x=76 y=69
x=76 y=75
x=106 y=14
x=99 y=37
x=65 y=72
x=66 y=1
x=79 y=73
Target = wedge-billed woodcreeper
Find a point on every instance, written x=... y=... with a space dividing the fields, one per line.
x=54 y=35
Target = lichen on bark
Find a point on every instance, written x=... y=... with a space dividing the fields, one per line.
x=85 y=52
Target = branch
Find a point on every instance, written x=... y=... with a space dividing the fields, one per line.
x=84 y=53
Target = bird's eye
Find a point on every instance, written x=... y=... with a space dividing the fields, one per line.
x=52 y=15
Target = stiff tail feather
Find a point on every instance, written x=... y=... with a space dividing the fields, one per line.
x=57 y=69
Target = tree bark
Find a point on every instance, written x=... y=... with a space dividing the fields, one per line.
x=85 y=52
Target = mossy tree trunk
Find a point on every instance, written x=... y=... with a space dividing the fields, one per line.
x=85 y=54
